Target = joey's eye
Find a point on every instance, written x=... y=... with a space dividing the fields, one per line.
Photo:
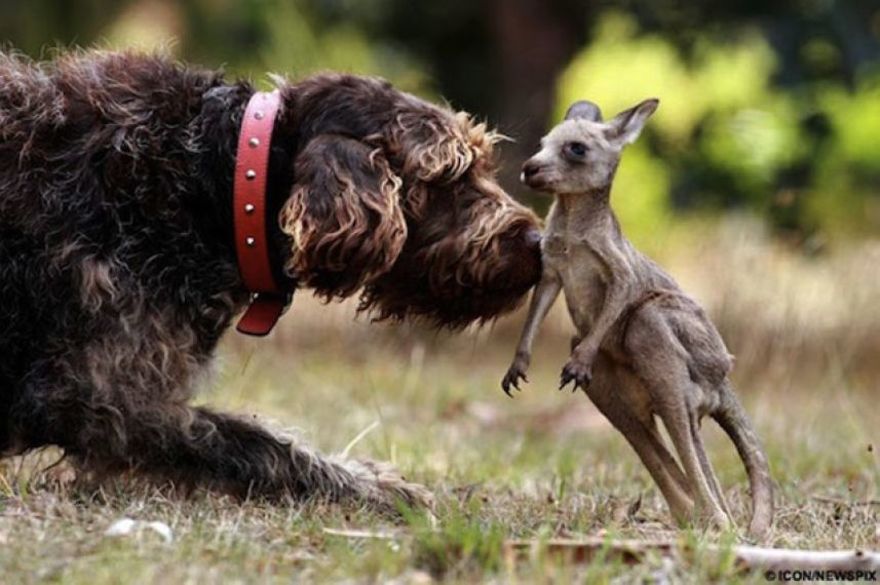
x=576 y=150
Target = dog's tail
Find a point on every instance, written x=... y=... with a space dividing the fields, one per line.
x=733 y=419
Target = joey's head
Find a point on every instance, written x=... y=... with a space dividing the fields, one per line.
x=581 y=153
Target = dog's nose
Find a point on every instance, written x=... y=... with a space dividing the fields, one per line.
x=533 y=238
x=529 y=169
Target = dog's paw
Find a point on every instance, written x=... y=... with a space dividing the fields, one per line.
x=381 y=485
x=515 y=373
x=395 y=486
x=577 y=371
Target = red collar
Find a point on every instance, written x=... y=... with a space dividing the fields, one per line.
x=268 y=299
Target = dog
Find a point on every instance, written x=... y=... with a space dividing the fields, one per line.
x=119 y=271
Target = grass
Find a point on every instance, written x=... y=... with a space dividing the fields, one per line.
x=541 y=466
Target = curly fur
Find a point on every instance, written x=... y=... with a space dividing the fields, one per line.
x=362 y=227
x=117 y=265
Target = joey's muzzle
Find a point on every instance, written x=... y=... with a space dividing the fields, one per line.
x=532 y=174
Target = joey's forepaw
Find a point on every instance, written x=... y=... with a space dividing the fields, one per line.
x=514 y=374
x=579 y=373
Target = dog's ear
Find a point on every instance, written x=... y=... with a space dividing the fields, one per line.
x=343 y=216
x=432 y=144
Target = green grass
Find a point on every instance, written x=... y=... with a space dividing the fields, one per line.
x=542 y=466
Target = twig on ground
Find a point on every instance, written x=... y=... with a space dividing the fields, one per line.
x=842 y=502
x=747 y=557
x=632 y=552
x=363 y=534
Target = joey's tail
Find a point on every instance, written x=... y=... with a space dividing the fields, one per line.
x=735 y=422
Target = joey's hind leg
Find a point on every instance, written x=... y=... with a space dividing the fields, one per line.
x=640 y=431
x=673 y=411
x=714 y=484
x=660 y=362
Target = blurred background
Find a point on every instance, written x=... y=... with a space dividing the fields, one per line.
x=757 y=184
x=769 y=107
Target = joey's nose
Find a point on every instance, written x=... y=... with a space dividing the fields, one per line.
x=529 y=169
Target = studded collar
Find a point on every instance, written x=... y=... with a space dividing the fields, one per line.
x=268 y=299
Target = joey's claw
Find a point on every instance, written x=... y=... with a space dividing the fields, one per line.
x=575 y=372
x=511 y=380
x=564 y=379
x=505 y=385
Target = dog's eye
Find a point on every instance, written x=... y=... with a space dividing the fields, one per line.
x=576 y=150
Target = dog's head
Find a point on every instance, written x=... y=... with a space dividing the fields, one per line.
x=471 y=251
x=406 y=207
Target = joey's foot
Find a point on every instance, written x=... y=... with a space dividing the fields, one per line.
x=515 y=373
x=578 y=371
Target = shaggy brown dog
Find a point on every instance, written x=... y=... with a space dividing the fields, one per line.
x=118 y=272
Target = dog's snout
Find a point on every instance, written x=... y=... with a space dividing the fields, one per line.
x=532 y=237
x=529 y=169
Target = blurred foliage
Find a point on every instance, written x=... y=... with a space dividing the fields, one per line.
x=728 y=135
x=767 y=106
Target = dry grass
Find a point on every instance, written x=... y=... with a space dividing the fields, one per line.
x=807 y=336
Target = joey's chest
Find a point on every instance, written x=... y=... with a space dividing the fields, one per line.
x=570 y=256
x=571 y=250
x=583 y=273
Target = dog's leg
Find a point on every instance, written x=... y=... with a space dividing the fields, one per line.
x=116 y=426
x=202 y=447
x=5 y=397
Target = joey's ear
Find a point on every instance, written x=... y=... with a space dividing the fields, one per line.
x=585 y=110
x=627 y=125
x=343 y=216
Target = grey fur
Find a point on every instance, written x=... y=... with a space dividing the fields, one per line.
x=644 y=349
